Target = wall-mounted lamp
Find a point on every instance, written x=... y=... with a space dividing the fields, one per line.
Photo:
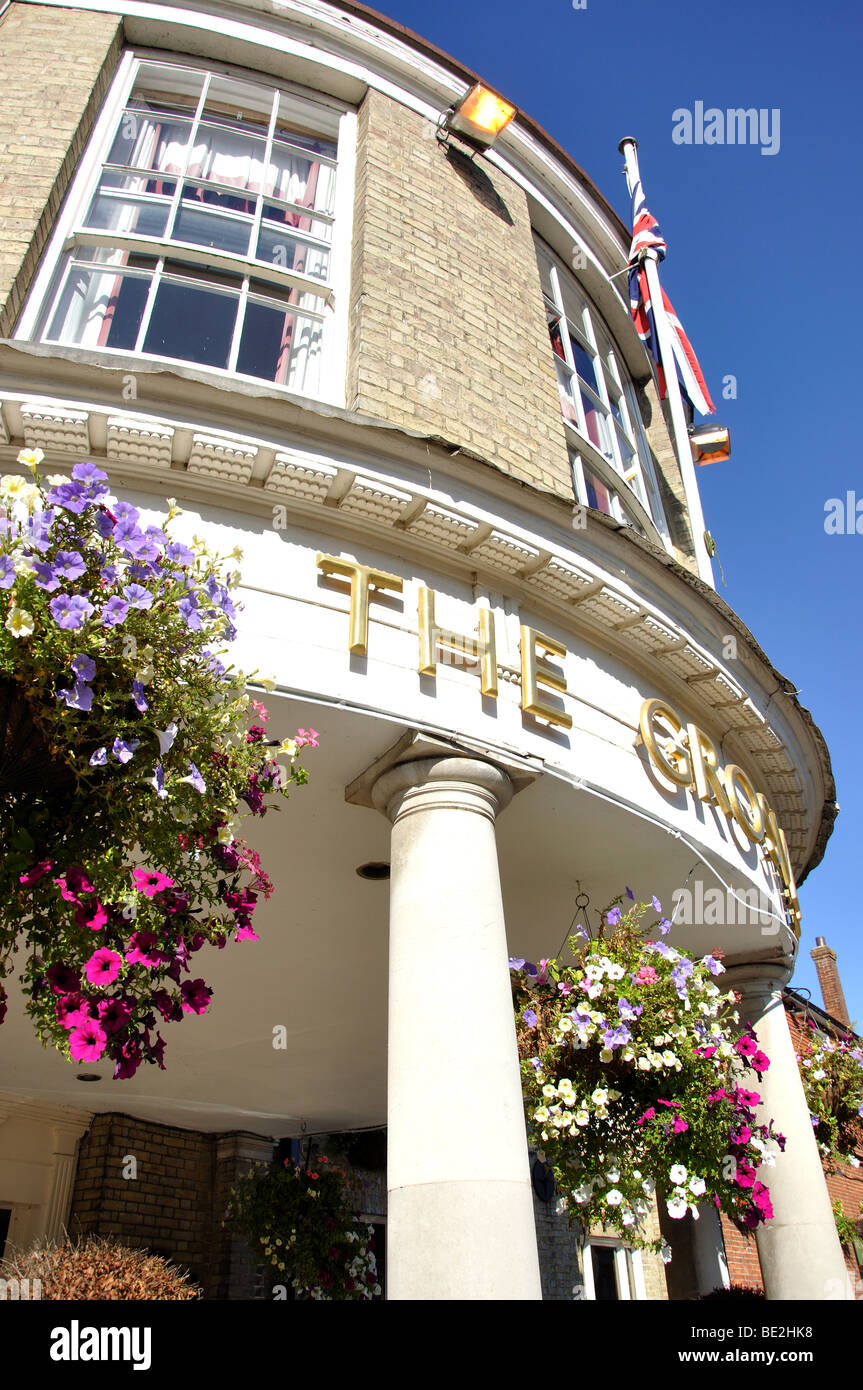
x=479 y=117
x=710 y=443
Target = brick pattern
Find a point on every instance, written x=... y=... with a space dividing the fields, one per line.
x=831 y=986
x=46 y=115
x=175 y=1203
x=846 y=1184
x=447 y=331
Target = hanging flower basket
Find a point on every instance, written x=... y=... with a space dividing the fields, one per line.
x=128 y=760
x=634 y=1083
x=27 y=766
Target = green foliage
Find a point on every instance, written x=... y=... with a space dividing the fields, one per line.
x=301 y=1219
x=632 y=1063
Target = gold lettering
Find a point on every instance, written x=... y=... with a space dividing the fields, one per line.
x=675 y=764
x=535 y=671
x=702 y=756
x=362 y=578
x=746 y=812
x=432 y=637
x=776 y=849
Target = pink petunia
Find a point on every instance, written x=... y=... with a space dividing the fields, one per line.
x=87 y=1042
x=143 y=952
x=150 y=882
x=246 y=932
x=103 y=967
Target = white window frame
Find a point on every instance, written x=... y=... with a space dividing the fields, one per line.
x=69 y=231
x=634 y=481
x=628 y=1269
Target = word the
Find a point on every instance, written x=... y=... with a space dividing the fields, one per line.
x=845 y=517
x=735 y=126
x=76 y=1343
x=480 y=650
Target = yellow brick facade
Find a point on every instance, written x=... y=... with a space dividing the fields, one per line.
x=55 y=66
x=447 y=331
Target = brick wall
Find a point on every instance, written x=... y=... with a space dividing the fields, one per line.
x=171 y=1200
x=47 y=110
x=448 y=335
x=846 y=1185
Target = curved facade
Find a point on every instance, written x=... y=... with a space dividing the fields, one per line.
x=244 y=270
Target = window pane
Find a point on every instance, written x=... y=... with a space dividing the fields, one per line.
x=604 y=1279
x=296 y=178
x=596 y=424
x=584 y=364
x=280 y=345
x=99 y=309
x=301 y=222
x=222 y=155
x=280 y=249
x=235 y=102
x=116 y=210
x=599 y=496
x=193 y=323
x=148 y=140
x=202 y=228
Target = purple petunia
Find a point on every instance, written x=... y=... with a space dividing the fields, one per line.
x=189 y=609
x=664 y=926
x=114 y=612
x=70 y=564
x=616 y=1037
x=657 y=905
x=7 y=572
x=137 y=596
x=70 y=611
x=79 y=697
x=84 y=667
x=45 y=576
x=124 y=749
x=627 y=1010
x=139 y=697
x=99 y=758
x=89 y=473
x=614 y=917
x=179 y=553
x=530 y=1018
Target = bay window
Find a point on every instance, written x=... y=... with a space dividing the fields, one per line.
x=203 y=228
x=598 y=404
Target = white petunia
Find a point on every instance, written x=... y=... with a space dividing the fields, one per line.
x=614 y=1197
x=697 y=1187
x=677 y=1174
x=677 y=1208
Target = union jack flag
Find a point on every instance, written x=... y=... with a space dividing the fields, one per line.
x=647 y=236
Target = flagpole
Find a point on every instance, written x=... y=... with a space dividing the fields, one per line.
x=629 y=149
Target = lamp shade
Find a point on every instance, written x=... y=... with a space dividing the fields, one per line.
x=480 y=116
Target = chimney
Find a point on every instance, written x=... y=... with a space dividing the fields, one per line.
x=828 y=978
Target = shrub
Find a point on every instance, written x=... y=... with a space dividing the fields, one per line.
x=99 y=1268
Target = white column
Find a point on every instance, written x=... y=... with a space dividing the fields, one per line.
x=799 y=1249
x=460 y=1221
x=65 y=1162
x=708 y=1250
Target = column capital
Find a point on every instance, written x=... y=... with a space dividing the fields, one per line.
x=757 y=981
x=494 y=777
x=455 y=784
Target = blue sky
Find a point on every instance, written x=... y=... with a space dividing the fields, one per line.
x=760 y=270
